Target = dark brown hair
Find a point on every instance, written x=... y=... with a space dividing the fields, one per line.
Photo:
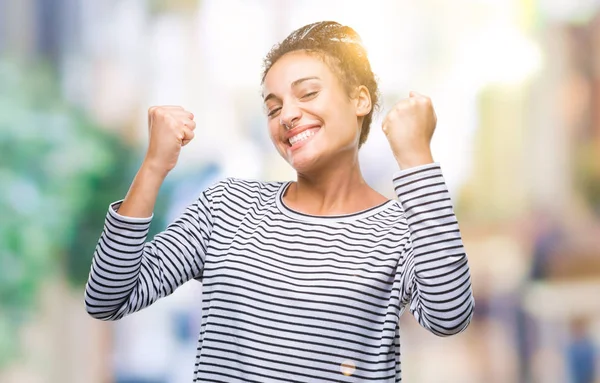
x=342 y=49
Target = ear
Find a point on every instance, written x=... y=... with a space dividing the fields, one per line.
x=362 y=101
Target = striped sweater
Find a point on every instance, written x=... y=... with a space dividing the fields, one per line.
x=291 y=297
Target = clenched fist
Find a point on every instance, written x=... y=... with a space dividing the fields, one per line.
x=169 y=128
x=409 y=127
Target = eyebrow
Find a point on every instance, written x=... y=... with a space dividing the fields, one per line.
x=294 y=84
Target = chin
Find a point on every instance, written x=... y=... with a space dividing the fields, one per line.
x=305 y=162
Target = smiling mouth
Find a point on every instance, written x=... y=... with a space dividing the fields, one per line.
x=303 y=136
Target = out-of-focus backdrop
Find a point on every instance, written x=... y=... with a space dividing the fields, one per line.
x=516 y=86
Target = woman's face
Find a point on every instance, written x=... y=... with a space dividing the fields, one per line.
x=302 y=92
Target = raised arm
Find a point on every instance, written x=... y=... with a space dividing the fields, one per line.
x=127 y=273
x=437 y=282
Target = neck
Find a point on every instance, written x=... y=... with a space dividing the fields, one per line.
x=339 y=188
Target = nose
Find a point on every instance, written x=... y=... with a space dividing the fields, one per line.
x=290 y=115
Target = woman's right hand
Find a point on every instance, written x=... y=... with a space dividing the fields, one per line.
x=169 y=128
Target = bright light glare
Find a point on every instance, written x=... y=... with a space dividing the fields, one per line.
x=500 y=55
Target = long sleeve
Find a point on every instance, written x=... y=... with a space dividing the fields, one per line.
x=128 y=273
x=437 y=281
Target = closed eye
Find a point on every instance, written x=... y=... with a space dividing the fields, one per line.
x=273 y=112
x=309 y=95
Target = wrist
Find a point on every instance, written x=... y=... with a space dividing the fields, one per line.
x=414 y=159
x=152 y=169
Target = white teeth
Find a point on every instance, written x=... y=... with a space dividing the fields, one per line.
x=301 y=137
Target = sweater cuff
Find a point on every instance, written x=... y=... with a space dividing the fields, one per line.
x=113 y=215
x=418 y=181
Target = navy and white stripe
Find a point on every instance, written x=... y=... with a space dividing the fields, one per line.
x=290 y=297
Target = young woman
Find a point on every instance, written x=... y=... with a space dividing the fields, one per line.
x=303 y=281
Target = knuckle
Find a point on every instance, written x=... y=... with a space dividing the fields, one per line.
x=160 y=112
x=171 y=122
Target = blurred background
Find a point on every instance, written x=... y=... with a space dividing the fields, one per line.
x=516 y=86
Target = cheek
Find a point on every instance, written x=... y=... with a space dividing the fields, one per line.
x=345 y=122
x=273 y=131
x=336 y=110
x=275 y=136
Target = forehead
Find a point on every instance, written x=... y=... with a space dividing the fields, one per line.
x=293 y=66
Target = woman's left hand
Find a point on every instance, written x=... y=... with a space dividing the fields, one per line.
x=409 y=127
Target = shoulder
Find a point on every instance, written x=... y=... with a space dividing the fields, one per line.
x=392 y=219
x=394 y=213
x=235 y=188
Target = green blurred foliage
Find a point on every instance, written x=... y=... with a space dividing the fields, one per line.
x=587 y=173
x=58 y=173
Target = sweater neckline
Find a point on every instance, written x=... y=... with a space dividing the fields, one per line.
x=294 y=214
